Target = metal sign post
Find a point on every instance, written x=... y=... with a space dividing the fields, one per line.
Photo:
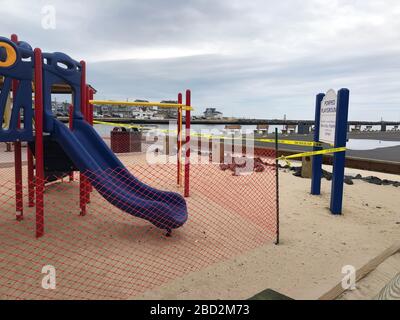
x=331 y=117
x=339 y=158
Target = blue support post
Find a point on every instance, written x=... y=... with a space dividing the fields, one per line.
x=339 y=158
x=317 y=160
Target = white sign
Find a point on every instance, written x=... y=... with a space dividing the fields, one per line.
x=327 y=123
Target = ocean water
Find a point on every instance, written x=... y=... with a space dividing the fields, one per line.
x=365 y=144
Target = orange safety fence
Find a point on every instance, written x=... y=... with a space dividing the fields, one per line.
x=110 y=254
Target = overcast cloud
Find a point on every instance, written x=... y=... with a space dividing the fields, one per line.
x=248 y=58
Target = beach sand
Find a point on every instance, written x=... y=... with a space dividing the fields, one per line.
x=314 y=247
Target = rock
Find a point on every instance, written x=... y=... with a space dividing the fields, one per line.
x=358 y=176
x=327 y=175
x=224 y=167
x=373 y=180
x=396 y=184
x=297 y=173
x=348 y=180
x=386 y=182
x=259 y=168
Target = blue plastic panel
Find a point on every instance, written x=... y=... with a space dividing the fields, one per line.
x=22 y=71
x=58 y=68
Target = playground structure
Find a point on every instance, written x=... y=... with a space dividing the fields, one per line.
x=80 y=221
x=81 y=146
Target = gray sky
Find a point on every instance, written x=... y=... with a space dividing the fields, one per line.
x=253 y=58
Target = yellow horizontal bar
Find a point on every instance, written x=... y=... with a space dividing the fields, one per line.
x=141 y=104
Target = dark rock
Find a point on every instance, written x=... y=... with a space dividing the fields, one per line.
x=396 y=184
x=348 y=180
x=224 y=167
x=358 y=176
x=297 y=173
x=327 y=175
x=259 y=168
x=386 y=182
x=373 y=180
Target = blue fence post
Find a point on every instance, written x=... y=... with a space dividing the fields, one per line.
x=339 y=158
x=317 y=160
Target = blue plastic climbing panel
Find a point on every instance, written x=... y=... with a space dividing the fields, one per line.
x=16 y=63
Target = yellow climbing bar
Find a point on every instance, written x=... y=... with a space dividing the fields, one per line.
x=141 y=104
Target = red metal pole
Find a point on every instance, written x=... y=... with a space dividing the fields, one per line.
x=31 y=183
x=91 y=117
x=71 y=117
x=39 y=143
x=179 y=141
x=19 y=205
x=82 y=179
x=89 y=120
x=187 y=145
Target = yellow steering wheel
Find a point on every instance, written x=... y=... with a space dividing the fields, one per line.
x=11 y=55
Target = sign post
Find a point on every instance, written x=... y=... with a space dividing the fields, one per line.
x=317 y=160
x=339 y=158
x=331 y=116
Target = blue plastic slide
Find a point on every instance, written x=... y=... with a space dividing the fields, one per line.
x=166 y=210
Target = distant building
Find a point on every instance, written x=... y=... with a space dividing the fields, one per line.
x=60 y=109
x=167 y=113
x=136 y=112
x=212 y=113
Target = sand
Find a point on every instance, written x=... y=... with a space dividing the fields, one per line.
x=224 y=252
x=315 y=245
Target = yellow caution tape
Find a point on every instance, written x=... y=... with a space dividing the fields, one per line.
x=121 y=125
x=210 y=136
x=311 y=153
x=291 y=142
